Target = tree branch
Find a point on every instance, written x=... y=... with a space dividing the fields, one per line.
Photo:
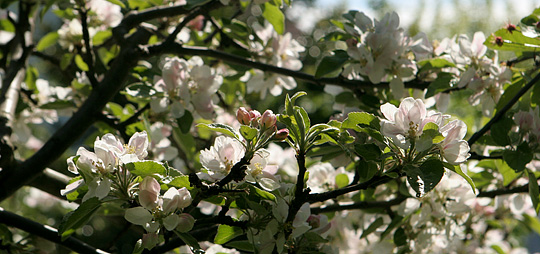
x=180 y=49
x=359 y=205
x=13 y=220
x=494 y=193
x=14 y=178
x=375 y=181
x=503 y=111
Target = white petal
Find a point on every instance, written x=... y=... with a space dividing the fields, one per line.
x=170 y=222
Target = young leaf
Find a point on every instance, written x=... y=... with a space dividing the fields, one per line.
x=188 y=239
x=261 y=193
x=247 y=132
x=424 y=178
x=457 y=169
x=275 y=16
x=361 y=119
x=226 y=233
x=519 y=158
x=534 y=191
x=146 y=168
x=372 y=227
x=80 y=63
x=47 y=41
x=368 y=151
x=222 y=128
x=78 y=217
x=332 y=63
x=185 y=122
x=342 y=180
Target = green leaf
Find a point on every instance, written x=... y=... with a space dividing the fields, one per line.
x=65 y=61
x=499 y=131
x=248 y=133
x=180 y=182
x=509 y=175
x=534 y=191
x=101 y=36
x=512 y=41
x=188 y=239
x=362 y=119
x=367 y=169
x=532 y=223
x=535 y=96
x=509 y=93
x=261 y=193
x=78 y=217
x=497 y=249
x=372 y=227
x=368 y=151
x=80 y=63
x=457 y=169
x=275 y=16
x=47 y=41
x=117 y=2
x=333 y=63
x=32 y=75
x=434 y=63
x=441 y=84
x=58 y=104
x=221 y=128
x=226 y=233
x=400 y=238
x=185 y=122
x=396 y=222
x=519 y=158
x=342 y=180
x=146 y=168
x=241 y=245
x=424 y=178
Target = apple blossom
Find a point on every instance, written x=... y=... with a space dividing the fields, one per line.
x=220 y=158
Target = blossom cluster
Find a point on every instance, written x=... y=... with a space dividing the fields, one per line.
x=277 y=50
x=405 y=126
x=186 y=85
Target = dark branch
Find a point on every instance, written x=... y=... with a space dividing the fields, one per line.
x=13 y=220
x=359 y=205
x=226 y=57
x=503 y=111
x=373 y=182
x=498 y=192
x=14 y=178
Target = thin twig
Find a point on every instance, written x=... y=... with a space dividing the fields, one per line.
x=359 y=205
x=180 y=49
x=503 y=111
x=88 y=56
x=13 y=220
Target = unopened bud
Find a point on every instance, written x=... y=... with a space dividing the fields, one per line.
x=243 y=116
x=499 y=41
x=268 y=119
x=281 y=134
x=351 y=43
x=510 y=28
x=254 y=115
x=185 y=223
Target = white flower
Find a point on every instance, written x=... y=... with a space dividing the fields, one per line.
x=455 y=150
x=220 y=158
x=407 y=121
x=259 y=171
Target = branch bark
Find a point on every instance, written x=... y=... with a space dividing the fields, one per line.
x=179 y=49
x=477 y=135
x=14 y=178
x=13 y=220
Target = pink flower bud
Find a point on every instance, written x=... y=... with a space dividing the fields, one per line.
x=281 y=135
x=243 y=116
x=254 y=115
x=149 y=192
x=268 y=119
x=185 y=223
